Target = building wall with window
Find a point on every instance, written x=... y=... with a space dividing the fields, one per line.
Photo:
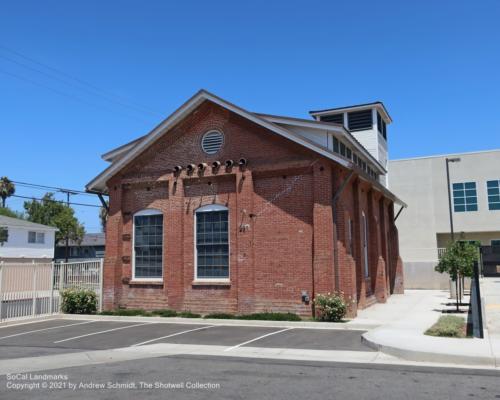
x=26 y=241
x=425 y=225
x=90 y=247
x=257 y=238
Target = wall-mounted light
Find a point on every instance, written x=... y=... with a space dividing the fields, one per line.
x=190 y=168
x=243 y=162
x=229 y=163
x=202 y=167
x=177 y=169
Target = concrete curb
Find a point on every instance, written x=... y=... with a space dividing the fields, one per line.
x=411 y=348
x=24 y=321
x=228 y=322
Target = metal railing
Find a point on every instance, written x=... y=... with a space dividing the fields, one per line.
x=28 y=290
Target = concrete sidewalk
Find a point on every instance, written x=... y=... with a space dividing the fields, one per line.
x=490 y=293
x=406 y=317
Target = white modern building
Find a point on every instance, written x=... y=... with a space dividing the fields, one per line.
x=424 y=227
x=26 y=241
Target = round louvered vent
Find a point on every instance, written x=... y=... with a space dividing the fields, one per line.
x=212 y=142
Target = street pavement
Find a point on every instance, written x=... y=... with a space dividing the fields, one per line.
x=203 y=377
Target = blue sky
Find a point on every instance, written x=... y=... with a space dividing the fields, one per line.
x=435 y=65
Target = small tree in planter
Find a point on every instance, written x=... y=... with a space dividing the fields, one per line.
x=330 y=307
x=458 y=261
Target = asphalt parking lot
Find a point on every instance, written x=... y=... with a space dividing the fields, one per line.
x=64 y=335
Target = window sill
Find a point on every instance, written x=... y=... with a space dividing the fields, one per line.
x=211 y=282
x=148 y=283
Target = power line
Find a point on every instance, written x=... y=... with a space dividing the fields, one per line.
x=59 y=189
x=61 y=93
x=94 y=89
x=55 y=201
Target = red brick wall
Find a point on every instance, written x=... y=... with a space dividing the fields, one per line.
x=282 y=233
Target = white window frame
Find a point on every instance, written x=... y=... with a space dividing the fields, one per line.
x=39 y=237
x=209 y=208
x=148 y=211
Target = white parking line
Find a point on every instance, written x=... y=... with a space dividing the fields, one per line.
x=98 y=333
x=45 y=329
x=257 y=338
x=174 y=334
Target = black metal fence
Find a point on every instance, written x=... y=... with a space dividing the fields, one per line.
x=490 y=260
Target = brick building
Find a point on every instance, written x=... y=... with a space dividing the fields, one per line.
x=223 y=210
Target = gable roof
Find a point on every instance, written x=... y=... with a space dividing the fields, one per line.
x=22 y=223
x=98 y=184
x=330 y=126
x=123 y=155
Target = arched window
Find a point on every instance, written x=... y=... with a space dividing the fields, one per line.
x=212 y=242
x=148 y=245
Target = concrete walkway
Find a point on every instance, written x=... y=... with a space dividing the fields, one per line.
x=490 y=292
x=406 y=317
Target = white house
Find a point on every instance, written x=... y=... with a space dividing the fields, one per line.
x=424 y=227
x=26 y=241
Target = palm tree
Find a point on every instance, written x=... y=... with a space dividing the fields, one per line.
x=7 y=189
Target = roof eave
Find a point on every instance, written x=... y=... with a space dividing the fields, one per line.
x=378 y=104
x=329 y=126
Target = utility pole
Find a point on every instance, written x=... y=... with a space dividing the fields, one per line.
x=66 y=252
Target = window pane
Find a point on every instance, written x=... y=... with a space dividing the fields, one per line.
x=212 y=244
x=31 y=237
x=148 y=246
x=40 y=237
x=465 y=197
x=493 y=195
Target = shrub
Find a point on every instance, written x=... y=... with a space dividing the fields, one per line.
x=330 y=307
x=188 y=314
x=127 y=312
x=78 y=301
x=271 y=316
x=448 y=326
x=165 y=313
x=220 y=316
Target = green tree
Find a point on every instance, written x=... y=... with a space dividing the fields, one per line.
x=7 y=189
x=49 y=211
x=458 y=261
x=7 y=212
x=103 y=217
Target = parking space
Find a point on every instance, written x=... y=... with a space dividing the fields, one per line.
x=221 y=335
x=64 y=335
x=314 y=339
